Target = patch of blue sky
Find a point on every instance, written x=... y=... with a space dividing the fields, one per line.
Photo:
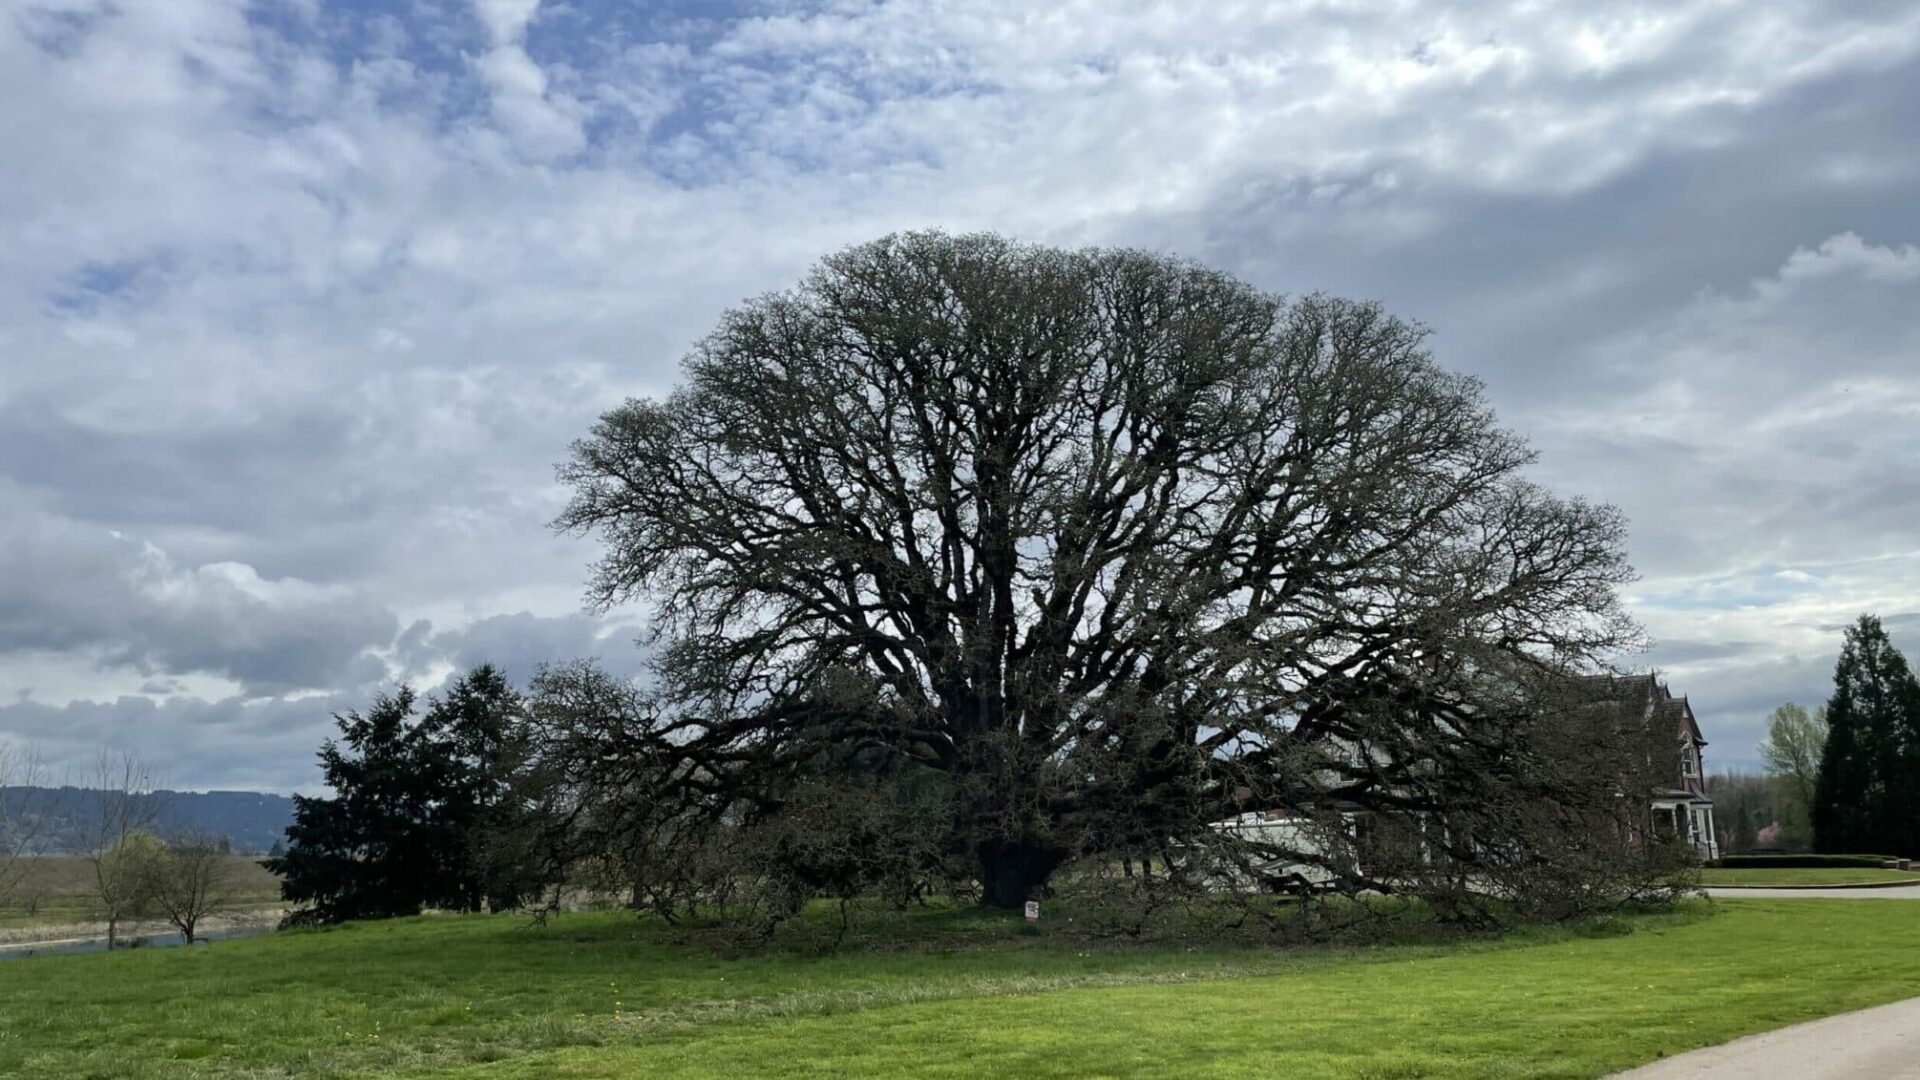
x=58 y=32
x=430 y=34
x=96 y=285
x=428 y=43
x=576 y=30
x=707 y=101
x=703 y=116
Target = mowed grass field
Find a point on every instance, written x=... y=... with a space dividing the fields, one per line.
x=953 y=993
x=1818 y=875
x=58 y=890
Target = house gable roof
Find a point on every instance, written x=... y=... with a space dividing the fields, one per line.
x=1660 y=701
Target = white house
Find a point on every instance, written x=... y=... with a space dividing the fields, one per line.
x=1683 y=810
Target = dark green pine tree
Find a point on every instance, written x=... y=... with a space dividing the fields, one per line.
x=416 y=802
x=479 y=743
x=1867 y=798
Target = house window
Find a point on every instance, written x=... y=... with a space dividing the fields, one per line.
x=1690 y=762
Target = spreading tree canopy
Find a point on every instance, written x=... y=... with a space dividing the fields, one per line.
x=1110 y=544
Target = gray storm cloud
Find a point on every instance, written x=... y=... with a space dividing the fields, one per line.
x=67 y=587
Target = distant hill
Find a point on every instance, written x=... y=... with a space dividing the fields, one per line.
x=252 y=821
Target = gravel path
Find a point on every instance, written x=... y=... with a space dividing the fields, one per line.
x=1872 y=1044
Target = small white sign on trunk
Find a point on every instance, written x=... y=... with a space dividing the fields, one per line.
x=1033 y=911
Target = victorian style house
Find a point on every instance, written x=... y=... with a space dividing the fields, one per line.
x=1679 y=809
x=1683 y=810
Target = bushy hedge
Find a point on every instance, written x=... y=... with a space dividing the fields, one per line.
x=1799 y=861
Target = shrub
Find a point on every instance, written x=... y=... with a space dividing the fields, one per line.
x=1783 y=862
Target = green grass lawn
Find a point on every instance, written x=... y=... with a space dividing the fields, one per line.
x=954 y=993
x=1823 y=875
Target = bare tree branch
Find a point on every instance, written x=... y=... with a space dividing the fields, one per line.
x=22 y=834
x=119 y=847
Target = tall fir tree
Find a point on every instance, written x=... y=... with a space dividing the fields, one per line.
x=1867 y=796
x=475 y=732
x=418 y=803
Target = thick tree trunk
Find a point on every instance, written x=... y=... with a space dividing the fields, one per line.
x=1013 y=873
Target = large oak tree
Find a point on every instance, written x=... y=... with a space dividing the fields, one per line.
x=1117 y=544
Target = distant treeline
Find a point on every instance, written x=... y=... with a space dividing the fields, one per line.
x=251 y=821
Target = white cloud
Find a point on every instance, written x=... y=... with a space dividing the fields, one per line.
x=1765 y=448
x=543 y=125
x=1840 y=256
x=71 y=588
x=313 y=308
x=506 y=20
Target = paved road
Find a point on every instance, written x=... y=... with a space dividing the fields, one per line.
x=1872 y=1044
x=1897 y=892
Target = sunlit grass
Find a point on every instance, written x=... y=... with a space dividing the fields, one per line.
x=950 y=992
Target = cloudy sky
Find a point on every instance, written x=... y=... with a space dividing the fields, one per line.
x=301 y=300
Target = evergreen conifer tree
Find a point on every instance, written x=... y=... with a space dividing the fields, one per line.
x=1867 y=798
x=416 y=800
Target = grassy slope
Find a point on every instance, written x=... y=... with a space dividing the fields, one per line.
x=1822 y=875
x=596 y=996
